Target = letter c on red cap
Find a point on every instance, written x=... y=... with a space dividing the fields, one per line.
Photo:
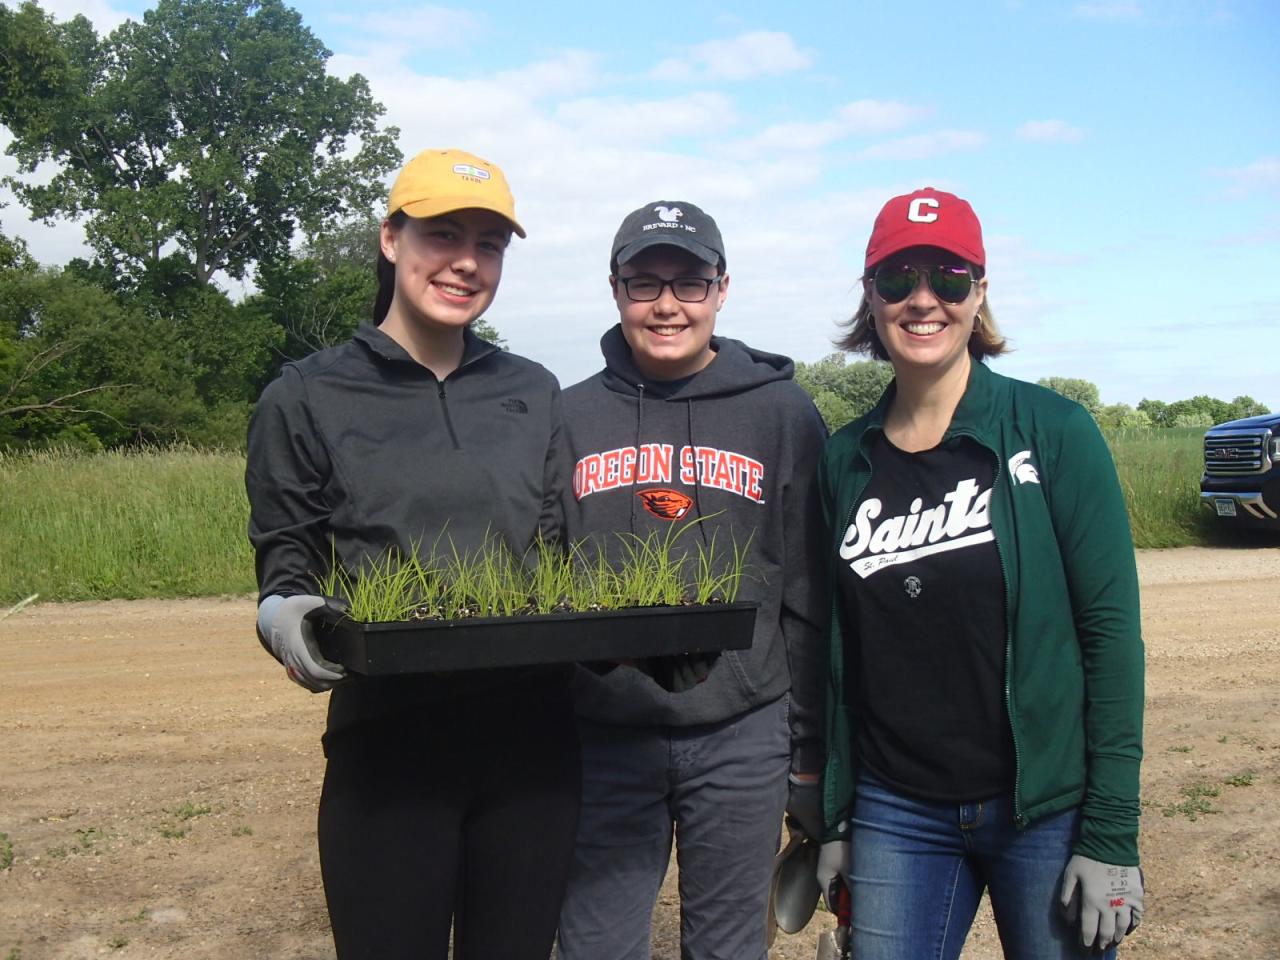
x=916 y=216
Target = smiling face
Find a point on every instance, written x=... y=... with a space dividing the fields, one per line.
x=923 y=333
x=447 y=268
x=669 y=338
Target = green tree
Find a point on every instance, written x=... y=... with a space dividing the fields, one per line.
x=843 y=391
x=1156 y=410
x=210 y=128
x=1198 y=411
x=76 y=366
x=1081 y=391
x=1245 y=406
x=1121 y=415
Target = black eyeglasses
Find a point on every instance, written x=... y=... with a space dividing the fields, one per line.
x=950 y=283
x=645 y=287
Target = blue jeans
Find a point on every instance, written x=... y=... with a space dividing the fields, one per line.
x=919 y=868
x=719 y=789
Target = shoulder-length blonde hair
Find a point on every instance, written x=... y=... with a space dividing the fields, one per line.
x=986 y=340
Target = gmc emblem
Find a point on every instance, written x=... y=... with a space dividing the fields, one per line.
x=1228 y=453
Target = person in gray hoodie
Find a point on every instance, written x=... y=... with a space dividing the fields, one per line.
x=682 y=428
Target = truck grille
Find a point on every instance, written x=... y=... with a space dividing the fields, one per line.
x=1236 y=454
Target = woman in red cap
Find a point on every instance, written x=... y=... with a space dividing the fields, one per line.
x=450 y=800
x=986 y=690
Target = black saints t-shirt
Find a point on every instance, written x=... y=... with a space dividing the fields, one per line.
x=922 y=589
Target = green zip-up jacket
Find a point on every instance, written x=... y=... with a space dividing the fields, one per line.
x=1073 y=650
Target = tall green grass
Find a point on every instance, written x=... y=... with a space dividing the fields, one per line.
x=123 y=525
x=1160 y=474
x=172 y=523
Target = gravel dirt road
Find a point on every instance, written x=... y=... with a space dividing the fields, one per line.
x=159 y=778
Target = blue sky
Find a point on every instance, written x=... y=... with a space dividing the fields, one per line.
x=1123 y=155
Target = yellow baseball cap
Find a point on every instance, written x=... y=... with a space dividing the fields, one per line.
x=440 y=181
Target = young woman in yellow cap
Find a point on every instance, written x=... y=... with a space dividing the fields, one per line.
x=449 y=800
x=985 y=696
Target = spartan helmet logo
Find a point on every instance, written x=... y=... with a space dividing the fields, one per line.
x=912 y=586
x=1022 y=469
x=668 y=214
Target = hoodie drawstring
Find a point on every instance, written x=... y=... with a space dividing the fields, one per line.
x=697 y=480
x=635 y=471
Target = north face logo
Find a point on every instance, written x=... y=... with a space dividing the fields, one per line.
x=668 y=214
x=1022 y=469
x=515 y=406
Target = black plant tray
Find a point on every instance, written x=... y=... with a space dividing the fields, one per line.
x=425 y=646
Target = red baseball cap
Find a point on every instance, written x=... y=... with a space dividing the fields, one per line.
x=926 y=218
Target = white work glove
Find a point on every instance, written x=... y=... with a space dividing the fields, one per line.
x=804 y=805
x=833 y=862
x=1106 y=899
x=291 y=639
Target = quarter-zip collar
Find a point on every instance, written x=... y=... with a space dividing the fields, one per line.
x=384 y=347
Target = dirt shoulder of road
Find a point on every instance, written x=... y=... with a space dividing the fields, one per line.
x=159 y=779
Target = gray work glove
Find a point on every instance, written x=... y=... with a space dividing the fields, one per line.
x=291 y=638
x=1105 y=899
x=804 y=805
x=833 y=863
x=680 y=672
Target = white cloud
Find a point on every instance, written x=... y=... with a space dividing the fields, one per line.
x=873 y=117
x=1261 y=176
x=425 y=25
x=1114 y=10
x=925 y=145
x=759 y=53
x=859 y=118
x=1050 y=131
x=618 y=120
x=569 y=74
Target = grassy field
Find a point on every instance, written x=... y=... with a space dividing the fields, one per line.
x=123 y=525
x=1160 y=473
x=172 y=523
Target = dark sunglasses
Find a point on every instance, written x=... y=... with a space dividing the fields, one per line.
x=950 y=283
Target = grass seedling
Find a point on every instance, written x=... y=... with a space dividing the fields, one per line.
x=717 y=583
x=6 y=852
x=1240 y=779
x=641 y=571
x=551 y=578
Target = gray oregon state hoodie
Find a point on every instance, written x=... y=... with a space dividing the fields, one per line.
x=737 y=443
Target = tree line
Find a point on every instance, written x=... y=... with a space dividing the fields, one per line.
x=195 y=145
x=844 y=389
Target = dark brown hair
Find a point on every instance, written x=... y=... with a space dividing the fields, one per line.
x=386 y=273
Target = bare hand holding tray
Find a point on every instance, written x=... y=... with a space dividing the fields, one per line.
x=425 y=646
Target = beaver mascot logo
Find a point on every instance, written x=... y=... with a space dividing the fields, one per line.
x=665 y=504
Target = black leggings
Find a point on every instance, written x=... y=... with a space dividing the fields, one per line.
x=471 y=810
